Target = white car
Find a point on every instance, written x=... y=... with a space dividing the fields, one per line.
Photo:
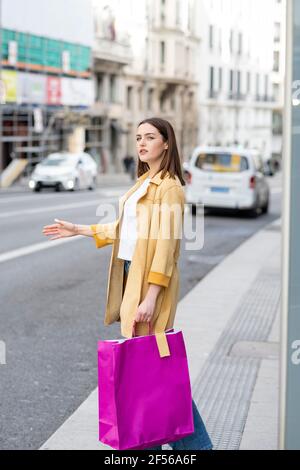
x=231 y=178
x=65 y=171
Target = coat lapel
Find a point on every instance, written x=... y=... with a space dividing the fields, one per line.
x=156 y=180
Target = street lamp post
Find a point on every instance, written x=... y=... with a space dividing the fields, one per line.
x=290 y=279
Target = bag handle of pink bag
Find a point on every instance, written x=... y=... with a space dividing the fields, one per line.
x=161 y=340
x=134 y=329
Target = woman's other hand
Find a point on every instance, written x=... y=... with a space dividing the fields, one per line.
x=61 y=229
x=145 y=310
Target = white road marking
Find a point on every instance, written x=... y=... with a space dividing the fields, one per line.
x=28 y=250
x=41 y=197
x=58 y=207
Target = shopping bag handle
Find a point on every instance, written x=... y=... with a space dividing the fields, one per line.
x=134 y=328
x=161 y=341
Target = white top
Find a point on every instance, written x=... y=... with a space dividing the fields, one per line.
x=128 y=235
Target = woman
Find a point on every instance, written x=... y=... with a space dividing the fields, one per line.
x=143 y=282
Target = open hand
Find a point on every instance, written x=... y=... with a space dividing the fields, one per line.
x=61 y=229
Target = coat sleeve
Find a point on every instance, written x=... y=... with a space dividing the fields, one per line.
x=104 y=234
x=169 y=234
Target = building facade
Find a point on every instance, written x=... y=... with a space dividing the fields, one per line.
x=111 y=53
x=46 y=77
x=235 y=75
x=278 y=75
x=214 y=69
x=162 y=78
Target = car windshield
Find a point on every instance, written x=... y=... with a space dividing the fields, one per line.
x=221 y=162
x=59 y=161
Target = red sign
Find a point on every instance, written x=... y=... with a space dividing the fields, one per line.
x=53 y=90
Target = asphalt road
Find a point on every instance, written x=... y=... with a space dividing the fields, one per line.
x=52 y=300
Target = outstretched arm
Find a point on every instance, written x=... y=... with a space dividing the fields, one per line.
x=64 y=229
x=103 y=234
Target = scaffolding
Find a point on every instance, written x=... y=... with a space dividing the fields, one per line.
x=32 y=131
x=20 y=139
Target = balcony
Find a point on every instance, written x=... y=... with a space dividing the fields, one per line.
x=213 y=94
x=112 y=51
x=269 y=98
x=277 y=130
x=237 y=96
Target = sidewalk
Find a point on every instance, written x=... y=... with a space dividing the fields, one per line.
x=230 y=323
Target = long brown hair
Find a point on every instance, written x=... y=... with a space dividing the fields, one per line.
x=171 y=161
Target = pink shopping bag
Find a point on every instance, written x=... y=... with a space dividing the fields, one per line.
x=144 y=399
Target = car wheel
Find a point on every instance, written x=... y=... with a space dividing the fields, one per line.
x=93 y=184
x=265 y=208
x=58 y=187
x=37 y=188
x=254 y=211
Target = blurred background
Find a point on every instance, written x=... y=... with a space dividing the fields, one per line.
x=78 y=75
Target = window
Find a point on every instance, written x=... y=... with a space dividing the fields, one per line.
x=211 y=81
x=240 y=51
x=244 y=163
x=162 y=11
x=99 y=88
x=231 y=41
x=231 y=79
x=276 y=91
x=162 y=52
x=150 y=99
x=239 y=83
x=172 y=102
x=266 y=87
x=211 y=37
x=276 y=61
x=248 y=82
x=277 y=123
x=129 y=97
x=140 y=98
x=257 y=85
x=220 y=78
x=191 y=100
x=187 y=60
x=162 y=103
x=222 y=162
x=113 y=96
x=277 y=32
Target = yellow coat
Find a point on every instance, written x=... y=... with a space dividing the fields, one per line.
x=155 y=256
